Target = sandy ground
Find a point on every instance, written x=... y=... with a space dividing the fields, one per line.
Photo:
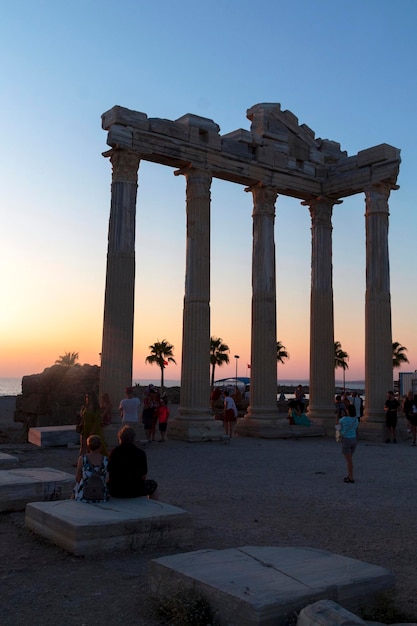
x=252 y=492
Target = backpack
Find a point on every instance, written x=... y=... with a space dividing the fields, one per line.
x=93 y=488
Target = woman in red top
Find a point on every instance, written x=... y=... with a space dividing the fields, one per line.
x=162 y=412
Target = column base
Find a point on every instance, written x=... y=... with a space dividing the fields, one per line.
x=276 y=428
x=376 y=430
x=195 y=430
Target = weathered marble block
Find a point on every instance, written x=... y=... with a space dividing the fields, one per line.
x=20 y=486
x=119 y=524
x=7 y=461
x=50 y=436
x=264 y=586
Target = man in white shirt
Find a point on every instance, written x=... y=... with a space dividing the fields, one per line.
x=129 y=410
x=356 y=401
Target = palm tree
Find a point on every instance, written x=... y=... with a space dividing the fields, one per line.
x=340 y=359
x=161 y=354
x=398 y=356
x=218 y=355
x=281 y=353
x=68 y=359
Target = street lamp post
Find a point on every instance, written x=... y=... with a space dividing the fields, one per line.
x=236 y=357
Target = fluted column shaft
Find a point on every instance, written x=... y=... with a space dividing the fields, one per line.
x=378 y=331
x=117 y=346
x=195 y=367
x=321 y=403
x=263 y=393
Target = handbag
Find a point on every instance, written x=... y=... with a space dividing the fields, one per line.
x=338 y=433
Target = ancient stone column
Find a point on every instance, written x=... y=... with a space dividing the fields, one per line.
x=195 y=421
x=262 y=416
x=117 y=346
x=378 y=332
x=321 y=403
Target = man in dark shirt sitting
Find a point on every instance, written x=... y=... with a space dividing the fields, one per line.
x=128 y=468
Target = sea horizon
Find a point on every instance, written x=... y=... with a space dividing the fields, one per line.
x=12 y=386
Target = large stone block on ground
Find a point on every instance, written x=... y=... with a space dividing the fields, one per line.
x=20 y=486
x=8 y=461
x=50 y=436
x=119 y=524
x=265 y=586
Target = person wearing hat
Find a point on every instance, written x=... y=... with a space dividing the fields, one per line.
x=129 y=409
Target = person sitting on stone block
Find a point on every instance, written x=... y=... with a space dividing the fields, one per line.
x=128 y=468
x=91 y=476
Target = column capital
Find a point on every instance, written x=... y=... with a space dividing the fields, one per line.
x=376 y=197
x=321 y=209
x=198 y=180
x=264 y=198
x=125 y=165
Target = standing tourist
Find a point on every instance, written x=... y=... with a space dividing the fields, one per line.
x=162 y=413
x=299 y=398
x=407 y=407
x=348 y=427
x=341 y=410
x=106 y=409
x=230 y=414
x=129 y=409
x=91 y=422
x=150 y=403
x=356 y=402
x=410 y=411
x=391 y=407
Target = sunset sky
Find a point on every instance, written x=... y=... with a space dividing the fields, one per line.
x=346 y=68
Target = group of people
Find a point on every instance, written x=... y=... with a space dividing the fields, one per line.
x=349 y=410
x=123 y=472
x=155 y=411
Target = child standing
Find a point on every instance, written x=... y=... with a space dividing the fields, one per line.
x=162 y=412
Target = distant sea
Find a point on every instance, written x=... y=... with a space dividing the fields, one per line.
x=13 y=386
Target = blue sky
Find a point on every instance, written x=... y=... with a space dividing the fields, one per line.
x=344 y=68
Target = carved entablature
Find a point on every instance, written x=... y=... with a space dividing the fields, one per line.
x=277 y=151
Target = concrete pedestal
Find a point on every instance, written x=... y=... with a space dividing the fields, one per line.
x=264 y=586
x=7 y=461
x=20 y=486
x=50 y=436
x=119 y=524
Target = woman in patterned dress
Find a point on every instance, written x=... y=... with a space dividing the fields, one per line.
x=92 y=463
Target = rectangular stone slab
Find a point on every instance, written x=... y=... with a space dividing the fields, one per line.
x=119 y=524
x=7 y=461
x=265 y=585
x=50 y=436
x=20 y=486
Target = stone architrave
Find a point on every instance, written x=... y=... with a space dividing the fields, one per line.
x=321 y=402
x=378 y=331
x=117 y=346
x=262 y=415
x=194 y=419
